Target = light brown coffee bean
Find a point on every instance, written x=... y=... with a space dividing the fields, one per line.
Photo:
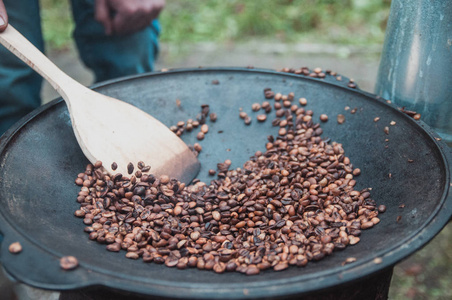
x=255 y=107
x=340 y=118
x=261 y=118
x=68 y=263
x=323 y=118
x=15 y=248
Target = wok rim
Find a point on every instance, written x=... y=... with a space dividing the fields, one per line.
x=329 y=277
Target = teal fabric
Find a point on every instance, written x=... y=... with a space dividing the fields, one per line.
x=112 y=56
x=19 y=85
x=107 y=56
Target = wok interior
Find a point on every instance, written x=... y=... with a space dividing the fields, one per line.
x=41 y=162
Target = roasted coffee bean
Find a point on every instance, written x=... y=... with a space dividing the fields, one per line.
x=353 y=240
x=200 y=136
x=171 y=261
x=349 y=260
x=323 y=118
x=79 y=213
x=219 y=267
x=252 y=270
x=130 y=168
x=261 y=118
x=231 y=266
x=197 y=147
x=209 y=264
x=205 y=128
x=269 y=94
x=375 y=220
x=276 y=122
x=182 y=263
x=15 y=248
x=115 y=247
x=205 y=108
x=280 y=113
x=255 y=107
x=281 y=266
x=340 y=118
x=192 y=261
x=140 y=165
x=68 y=262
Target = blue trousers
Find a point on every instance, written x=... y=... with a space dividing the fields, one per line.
x=107 y=56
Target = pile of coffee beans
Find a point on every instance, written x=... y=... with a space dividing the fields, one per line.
x=289 y=205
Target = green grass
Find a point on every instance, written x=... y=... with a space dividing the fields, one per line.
x=57 y=24
x=188 y=21
x=338 y=21
x=427 y=274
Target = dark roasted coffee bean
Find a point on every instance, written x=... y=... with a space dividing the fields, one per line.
x=130 y=168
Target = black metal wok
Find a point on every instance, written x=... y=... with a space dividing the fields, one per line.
x=40 y=159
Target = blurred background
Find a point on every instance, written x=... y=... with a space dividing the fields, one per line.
x=345 y=36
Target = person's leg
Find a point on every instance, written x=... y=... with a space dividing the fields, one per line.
x=112 y=56
x=20 y=86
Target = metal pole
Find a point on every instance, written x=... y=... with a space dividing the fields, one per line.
x=416 y=62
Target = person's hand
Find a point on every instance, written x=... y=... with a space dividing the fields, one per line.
x=123 y=17
x=3 y=17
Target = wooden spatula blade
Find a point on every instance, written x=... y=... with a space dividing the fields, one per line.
x=114 y=131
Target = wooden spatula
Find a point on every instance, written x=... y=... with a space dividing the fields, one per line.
x=107 y=129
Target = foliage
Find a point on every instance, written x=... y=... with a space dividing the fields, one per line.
x=337 y=21
x=187 y=21
x=57 y=24
x=426 y=274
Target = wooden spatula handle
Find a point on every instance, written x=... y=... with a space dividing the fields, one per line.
x=26 y=51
